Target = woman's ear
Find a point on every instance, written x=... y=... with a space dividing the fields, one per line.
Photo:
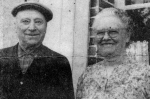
x=95 y=40
x=128 y=35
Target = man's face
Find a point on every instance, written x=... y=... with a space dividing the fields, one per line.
x=111 y=37
x=31 y=27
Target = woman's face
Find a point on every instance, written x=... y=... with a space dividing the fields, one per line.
x=111 y=37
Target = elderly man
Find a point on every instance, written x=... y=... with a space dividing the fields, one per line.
x=30 y=70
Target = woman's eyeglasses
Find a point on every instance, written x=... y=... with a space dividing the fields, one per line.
x=111 y=32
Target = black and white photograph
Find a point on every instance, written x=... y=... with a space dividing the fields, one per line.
x=74 y=49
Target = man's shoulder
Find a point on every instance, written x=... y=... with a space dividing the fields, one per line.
x=51 y=56
x=47 y=52
x=6 y=49
x=7 y=52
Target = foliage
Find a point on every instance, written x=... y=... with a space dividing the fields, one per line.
x=141 y=24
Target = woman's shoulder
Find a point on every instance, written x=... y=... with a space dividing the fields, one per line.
x=94 y=69
x=137 y=68
x=91 y=72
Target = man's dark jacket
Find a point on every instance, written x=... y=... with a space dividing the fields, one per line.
x=48 y=77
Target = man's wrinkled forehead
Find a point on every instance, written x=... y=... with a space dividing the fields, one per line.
x=29 y=14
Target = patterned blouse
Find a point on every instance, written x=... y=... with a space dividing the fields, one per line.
x=130 y=80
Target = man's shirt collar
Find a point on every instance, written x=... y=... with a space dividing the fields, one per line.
x=22 y=51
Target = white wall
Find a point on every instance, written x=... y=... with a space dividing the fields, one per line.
x=80 y=38
x=1 y=23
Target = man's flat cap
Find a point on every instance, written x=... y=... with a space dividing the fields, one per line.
x=33 y=6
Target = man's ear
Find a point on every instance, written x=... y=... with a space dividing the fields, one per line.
x=15 y=24
x=15 y=21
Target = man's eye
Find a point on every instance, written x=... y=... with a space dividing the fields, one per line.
x=39 y=22
x=25 y=21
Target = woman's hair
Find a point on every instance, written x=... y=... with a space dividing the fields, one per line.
x=122 y=15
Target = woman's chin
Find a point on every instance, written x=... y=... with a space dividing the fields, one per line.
x=106 y=54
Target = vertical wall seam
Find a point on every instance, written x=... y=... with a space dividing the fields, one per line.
x=74 y=19
x=62 y=1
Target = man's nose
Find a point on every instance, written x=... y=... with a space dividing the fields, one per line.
x=32 y=27
x=106 y=36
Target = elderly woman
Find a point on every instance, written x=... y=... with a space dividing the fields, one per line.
x=117 y=76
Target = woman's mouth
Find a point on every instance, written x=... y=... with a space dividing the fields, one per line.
x=107 y=43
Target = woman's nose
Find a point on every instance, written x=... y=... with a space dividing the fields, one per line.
x=106 y=36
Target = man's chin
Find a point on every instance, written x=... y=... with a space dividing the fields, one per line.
x=33 y=43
